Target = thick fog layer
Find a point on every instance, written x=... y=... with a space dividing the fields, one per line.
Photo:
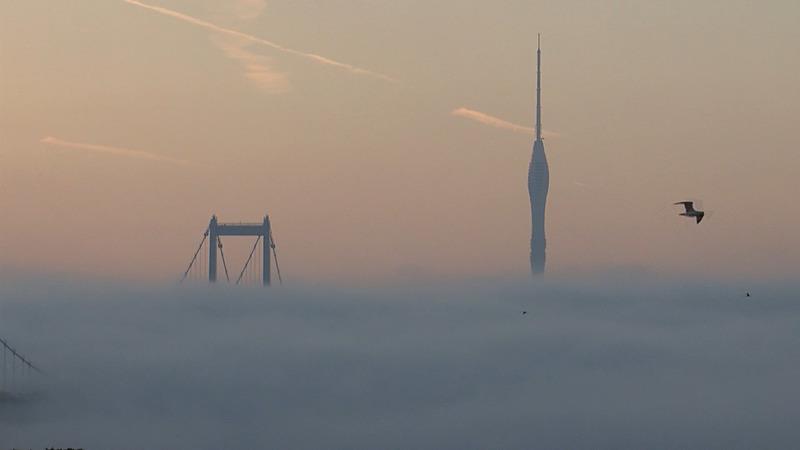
x=593 y=364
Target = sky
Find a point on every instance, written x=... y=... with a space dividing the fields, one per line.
x=620 y=362
x=389 y=139
x=389 y=142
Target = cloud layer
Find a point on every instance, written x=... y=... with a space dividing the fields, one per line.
x=611 y=363
x=258 y=68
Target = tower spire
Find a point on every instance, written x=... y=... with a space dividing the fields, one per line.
x=539 y=87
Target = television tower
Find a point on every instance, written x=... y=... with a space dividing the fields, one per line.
x=538 y=179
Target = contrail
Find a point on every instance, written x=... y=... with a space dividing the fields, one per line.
x=208 y=25
x=139 y=154
x=496 y=122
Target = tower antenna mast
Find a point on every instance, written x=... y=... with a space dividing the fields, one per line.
x=539 y=87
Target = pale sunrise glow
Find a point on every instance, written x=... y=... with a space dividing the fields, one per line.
x=157 y=114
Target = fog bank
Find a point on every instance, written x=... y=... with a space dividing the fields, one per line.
x=595 y=363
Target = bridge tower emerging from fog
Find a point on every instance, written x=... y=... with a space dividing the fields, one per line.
x=261 y=231
x=538 y=180
x=217 y=229
x=17 y=375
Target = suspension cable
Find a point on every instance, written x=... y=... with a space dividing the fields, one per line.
x=255 y=265
x=248 y=259
x=203 y=264
x=205 y=235
x=224 y=264
x=275 y=255
x=15 y=355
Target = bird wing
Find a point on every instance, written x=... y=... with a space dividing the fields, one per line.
x=688 y=205
x=700 y=216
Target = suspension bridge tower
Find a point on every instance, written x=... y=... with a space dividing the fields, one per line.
x=262 y=231
x=17 y=376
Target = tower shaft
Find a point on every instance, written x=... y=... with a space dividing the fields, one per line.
x=538 y=182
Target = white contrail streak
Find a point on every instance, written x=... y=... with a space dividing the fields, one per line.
x=139 y=154
x=208 y=25
x=492 y=121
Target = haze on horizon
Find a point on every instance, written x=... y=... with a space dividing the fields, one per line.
x=346 y=134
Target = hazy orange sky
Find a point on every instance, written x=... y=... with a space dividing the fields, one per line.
x=124 y=125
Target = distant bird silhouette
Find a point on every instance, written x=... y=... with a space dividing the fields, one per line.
x=524 y=312
x=691 y=212
x=747 y=294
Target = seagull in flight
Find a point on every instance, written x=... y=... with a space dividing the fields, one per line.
x=691 y=212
